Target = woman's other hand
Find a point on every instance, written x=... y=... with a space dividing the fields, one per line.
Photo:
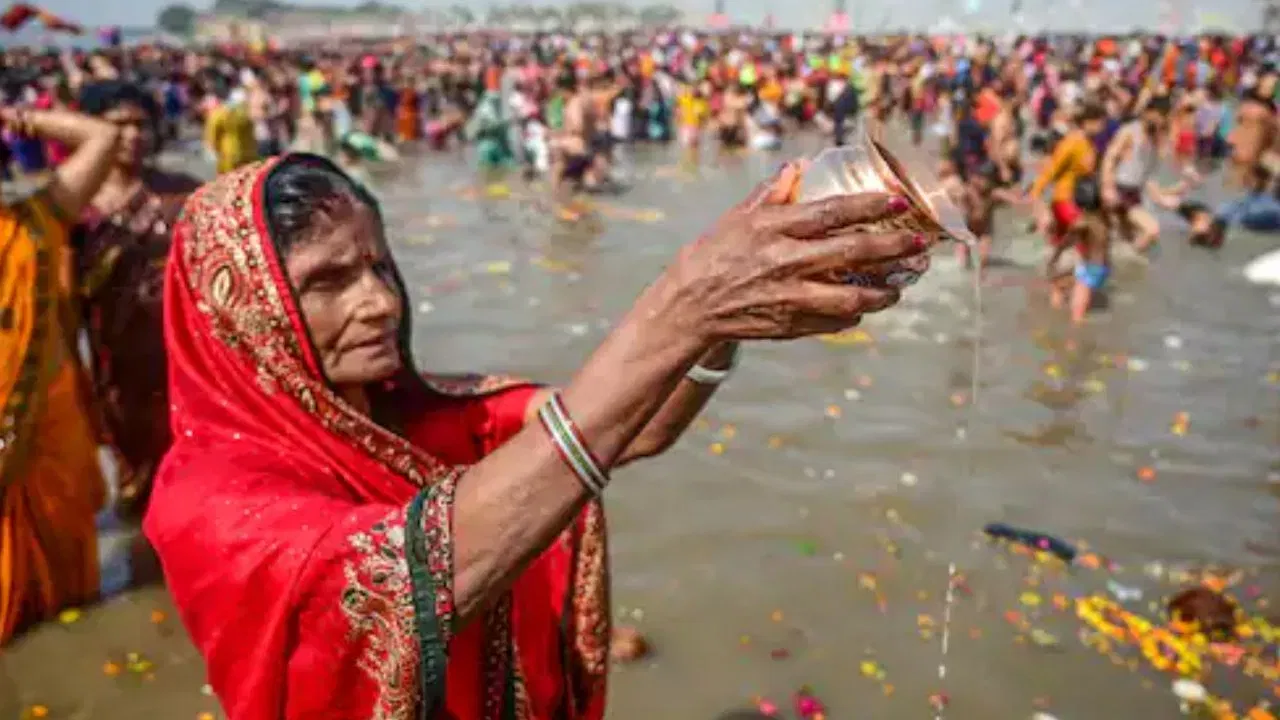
x=765 y=270
x=78 y=178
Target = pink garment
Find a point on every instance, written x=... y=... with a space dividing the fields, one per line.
x=54 y=152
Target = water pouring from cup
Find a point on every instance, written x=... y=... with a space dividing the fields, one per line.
x=867 y=164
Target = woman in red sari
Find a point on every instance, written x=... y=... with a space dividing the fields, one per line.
x=347 y=539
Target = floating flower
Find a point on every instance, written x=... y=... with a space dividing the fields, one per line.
x=806 y=705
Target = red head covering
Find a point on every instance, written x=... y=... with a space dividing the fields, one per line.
x=308 y=549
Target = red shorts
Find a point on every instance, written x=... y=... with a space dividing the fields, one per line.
x=1065 y=216
x=1184 y=145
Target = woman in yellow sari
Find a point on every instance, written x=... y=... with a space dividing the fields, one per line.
x=228 y=131
x=50 y=483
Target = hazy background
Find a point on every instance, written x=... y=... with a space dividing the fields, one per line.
x=867 y=15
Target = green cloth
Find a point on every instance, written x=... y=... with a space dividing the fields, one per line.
x=555 y=112
x=488 y=129
x=433 y=659
x=493 y=153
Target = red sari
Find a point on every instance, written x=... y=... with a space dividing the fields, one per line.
x=309 y=550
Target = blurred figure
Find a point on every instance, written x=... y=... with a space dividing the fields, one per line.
x=50 y=484
x=121 y=245
x=228 y=130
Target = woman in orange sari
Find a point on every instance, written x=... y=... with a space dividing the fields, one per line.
x=50 y=484
x=345 y=538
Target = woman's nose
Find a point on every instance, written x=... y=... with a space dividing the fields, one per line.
x=382 y=300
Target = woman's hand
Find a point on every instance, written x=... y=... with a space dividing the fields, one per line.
x=94 y=141
x=764 y=271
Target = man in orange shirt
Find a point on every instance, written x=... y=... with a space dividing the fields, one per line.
x=1074 y=158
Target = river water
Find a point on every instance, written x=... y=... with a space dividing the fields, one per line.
x=800 y=534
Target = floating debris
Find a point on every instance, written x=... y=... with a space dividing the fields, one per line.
x=807 y=705
x=766 y=707
x=1189 y=693
x=854 y=336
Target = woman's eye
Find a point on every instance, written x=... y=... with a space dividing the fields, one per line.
x=329 y=280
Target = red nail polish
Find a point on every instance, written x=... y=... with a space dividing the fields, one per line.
x=898 y=204
x=922 y=242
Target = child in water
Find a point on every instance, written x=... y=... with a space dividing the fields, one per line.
x=1092 y=241
x=977 y=197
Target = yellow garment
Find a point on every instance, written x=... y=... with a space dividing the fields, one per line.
x=771 y=91
x=1073 y=158
x=50 y=484
x=692 y=110
x=228 y=132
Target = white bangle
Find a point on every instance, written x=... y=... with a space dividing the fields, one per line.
x=707 y=376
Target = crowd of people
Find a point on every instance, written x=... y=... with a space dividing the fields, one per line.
x=247 y=357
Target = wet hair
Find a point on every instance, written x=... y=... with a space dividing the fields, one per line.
x=1189 y=209
x=102 y=97
x=1257 y=96
x=300 y=191
x=303 y=189
x=1091 y=111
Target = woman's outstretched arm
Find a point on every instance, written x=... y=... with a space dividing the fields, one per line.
x=687 y=400
x=747 y=279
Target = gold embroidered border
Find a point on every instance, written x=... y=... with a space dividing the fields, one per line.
x=377 y=601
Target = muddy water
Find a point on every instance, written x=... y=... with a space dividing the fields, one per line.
x=800 y=534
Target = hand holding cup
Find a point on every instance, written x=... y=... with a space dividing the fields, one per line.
x=771 y=269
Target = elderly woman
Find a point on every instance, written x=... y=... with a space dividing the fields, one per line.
x=345 y=537
x=50 y=486
x=122 y=243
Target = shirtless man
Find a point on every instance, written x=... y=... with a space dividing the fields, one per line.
x=1002 y=137
x=571 y=145
x=1127 y=166
x=1252 y=135
x=262 y=111
x=604 y=90
x=731 y=121
x=978 y=195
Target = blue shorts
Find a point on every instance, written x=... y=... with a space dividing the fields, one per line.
x=1092 y=276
